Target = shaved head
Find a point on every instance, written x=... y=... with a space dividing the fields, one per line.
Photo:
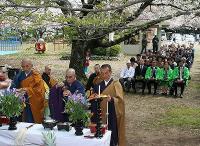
x=47 y=69
x=27 y=61
x=26 y=65
x=70 y=75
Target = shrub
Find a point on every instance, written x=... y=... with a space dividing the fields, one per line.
x=112 y=51
x=115 y=50
x=99 y=51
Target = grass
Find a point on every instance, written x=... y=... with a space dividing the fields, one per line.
x=181 y=116
x=28 y=50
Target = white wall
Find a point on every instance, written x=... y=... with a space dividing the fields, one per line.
x=132 y=49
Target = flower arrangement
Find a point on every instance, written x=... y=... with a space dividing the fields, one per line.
x=76 y=106
x=11 y=103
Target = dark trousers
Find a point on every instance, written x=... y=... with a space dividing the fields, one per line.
x=127 y=85
x=144 y=48
x=155 y=48
x=139 y=81
x=155 y=83
x=179 y=84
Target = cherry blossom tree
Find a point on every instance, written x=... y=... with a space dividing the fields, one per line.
x=89 y=22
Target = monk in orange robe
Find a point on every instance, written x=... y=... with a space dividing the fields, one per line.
x=30 y=82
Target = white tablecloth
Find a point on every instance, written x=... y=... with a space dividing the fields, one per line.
x=34 y=137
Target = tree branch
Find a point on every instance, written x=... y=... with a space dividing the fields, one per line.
x=73 y=9
x=144 y=27
x=168 y=5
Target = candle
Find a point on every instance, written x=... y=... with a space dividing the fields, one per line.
x=107 y=114
x=99 y=91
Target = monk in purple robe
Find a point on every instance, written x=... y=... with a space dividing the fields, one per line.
x=58 y=94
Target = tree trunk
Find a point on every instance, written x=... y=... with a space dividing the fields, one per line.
x=78 y=58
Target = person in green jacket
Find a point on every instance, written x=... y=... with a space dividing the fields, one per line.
x=166 y=78
x=152 y=76
x=181 y=75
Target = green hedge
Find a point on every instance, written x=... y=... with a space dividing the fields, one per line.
x=112 y=51
x=115 y=50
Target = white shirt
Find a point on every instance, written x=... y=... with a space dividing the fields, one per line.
x=181 y=73
x=127 y=73
x=106 y=82
x=27 y=73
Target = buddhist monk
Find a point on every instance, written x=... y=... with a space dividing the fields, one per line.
x=116 y=108
x=30 y=82
x=60 y=93
x=46 y=76
x=94 y=78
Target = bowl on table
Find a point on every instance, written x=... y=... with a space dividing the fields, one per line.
x=93 y=128
x=64 y=126
x=49 y=124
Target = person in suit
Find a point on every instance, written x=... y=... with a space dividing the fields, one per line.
x=140 y=72
x=144 y=44
x=152 y=76
x=155 y=42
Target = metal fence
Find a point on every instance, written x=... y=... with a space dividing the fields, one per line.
x=10 y=45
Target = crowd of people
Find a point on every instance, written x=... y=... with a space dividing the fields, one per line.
x=43 y=92
x=168 y=68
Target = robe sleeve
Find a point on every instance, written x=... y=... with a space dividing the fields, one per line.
x=36 y=87
x=16 y=82
x=118 y=99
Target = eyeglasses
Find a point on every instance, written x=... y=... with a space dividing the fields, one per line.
x=69 y=77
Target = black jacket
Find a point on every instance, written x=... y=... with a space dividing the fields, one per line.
x=139 y=72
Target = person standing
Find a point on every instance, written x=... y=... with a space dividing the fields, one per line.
x=87 y=61
x=93 y=77
x=144 y=44
x=116 y=106
x=31 y=83
x=155 y=42
x=46 y=76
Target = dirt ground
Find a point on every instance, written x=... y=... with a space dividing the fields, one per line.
x=142 y=112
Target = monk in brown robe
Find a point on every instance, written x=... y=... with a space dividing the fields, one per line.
x=30 y=82
x=116 y=108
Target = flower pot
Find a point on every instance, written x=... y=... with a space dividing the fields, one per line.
x=78 y=126
x=12 y=123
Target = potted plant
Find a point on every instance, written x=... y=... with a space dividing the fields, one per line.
x=76 y=106
x=11 y=106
